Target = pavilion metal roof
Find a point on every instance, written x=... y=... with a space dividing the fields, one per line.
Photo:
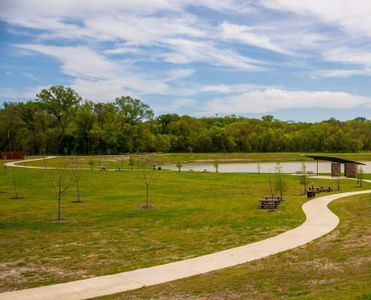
x=335 y=159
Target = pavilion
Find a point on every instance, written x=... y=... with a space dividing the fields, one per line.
x=350 y=166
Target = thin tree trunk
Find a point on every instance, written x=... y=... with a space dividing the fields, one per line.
x=338 y=183
x=78 y=191
x=59 y=201
x=59 y=207
x=147 y=197
x=15 y=187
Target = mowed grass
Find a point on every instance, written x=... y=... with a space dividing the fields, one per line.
x=195 y=214
x=337 y=266
x=121 y=161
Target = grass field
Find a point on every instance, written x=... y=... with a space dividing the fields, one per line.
x=337 y=266
x=195 y=214
x=122 y=161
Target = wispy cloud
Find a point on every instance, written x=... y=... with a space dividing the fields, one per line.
x=248 y=35
x=234 y=55
x=272 y=99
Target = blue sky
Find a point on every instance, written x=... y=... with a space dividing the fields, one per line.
x=293 y=59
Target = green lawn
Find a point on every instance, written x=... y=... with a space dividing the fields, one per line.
x=337 y=266
x=118 y=161
x=195 y=214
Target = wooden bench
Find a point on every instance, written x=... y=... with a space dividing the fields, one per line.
x=315 y=189
x=102 y=169
x=326 y=189
x=279 y=198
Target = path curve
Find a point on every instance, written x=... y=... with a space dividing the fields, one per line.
x=15 y=163
x=319 y=221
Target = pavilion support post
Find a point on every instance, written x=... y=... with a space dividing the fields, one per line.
x=317 y=167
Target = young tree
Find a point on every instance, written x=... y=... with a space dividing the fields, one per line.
x=280 y=184
x=76 y=179
x=338 y=182
x=61 y=183
x=2 y=174
x=4 y=163
x=91 y=163
x=15 y=185
x=45 y=164
x=360 y=176
x=131 y=162
x=121 y=162
x=259 y=167
x=216 y=166
x=134 y=163
x=270 y=186
x=179 y=165
x=304 y=177
x=148 y=177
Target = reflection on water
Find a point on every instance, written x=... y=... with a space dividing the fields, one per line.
x=265 y=167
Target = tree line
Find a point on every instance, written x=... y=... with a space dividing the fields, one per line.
x=59 y=121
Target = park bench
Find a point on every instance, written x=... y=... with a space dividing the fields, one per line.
x=119 y=170
x=326 y=189
x=279 y=198
x=102 y=169
x=315 y=189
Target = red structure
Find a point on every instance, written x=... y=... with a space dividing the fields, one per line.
x=11 y=155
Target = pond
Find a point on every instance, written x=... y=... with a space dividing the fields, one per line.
x=265 y=167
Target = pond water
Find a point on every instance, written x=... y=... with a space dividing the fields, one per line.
x=265 y=167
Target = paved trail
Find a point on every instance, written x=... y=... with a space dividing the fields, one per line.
x=319 y=221
x=15 y=163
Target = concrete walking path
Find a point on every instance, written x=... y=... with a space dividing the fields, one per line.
x=319 y=221
x=16 y=162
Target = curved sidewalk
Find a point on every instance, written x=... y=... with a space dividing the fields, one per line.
x=15 y=163
x=320 y=220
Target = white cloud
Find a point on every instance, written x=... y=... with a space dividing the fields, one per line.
x=186 y=51
x=178 y=73
x=271 y=99
x=247 y=35
x=226 y=88
x=349 y=55
x=77 y=61
x=343 y=73
x=117 y=42
x=93 y=73
x=352 y=16
x=176 y=106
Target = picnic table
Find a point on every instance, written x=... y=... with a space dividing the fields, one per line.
x=270 y=201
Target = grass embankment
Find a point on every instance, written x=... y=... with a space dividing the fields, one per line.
x=119 y=161
x=337 y=266
x=195 y=214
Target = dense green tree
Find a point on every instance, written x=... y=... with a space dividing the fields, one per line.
x=59 y=123
x=133 y=110
x=61 y=104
